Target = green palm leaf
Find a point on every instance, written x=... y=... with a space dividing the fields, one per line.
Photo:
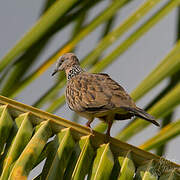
x=73 y=141
x=53 y=13
x=168 y=132
x=71 y=151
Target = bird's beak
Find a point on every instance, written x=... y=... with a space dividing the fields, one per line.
x=55 y=71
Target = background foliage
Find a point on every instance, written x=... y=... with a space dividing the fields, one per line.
x=16 y=73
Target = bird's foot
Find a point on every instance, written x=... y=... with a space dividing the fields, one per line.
x=107 y=137
x=91 y=130
x=89 y=126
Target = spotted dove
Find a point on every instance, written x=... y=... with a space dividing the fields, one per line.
x=96 y=95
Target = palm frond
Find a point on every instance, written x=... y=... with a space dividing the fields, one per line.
x=76 y=151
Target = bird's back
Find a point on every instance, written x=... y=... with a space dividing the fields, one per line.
x=96 y=92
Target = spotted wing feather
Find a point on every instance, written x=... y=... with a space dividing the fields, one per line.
x=95 y=92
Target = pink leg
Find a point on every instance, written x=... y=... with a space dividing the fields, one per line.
x=88 y=124
x=109 y=128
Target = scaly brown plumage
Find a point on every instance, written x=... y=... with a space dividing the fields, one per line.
x=97 y=95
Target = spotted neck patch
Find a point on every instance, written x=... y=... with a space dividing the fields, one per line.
x=74 y=71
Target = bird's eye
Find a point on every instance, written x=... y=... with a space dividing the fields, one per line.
x=62 y=60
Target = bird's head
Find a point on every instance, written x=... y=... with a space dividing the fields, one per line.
x=66 y=62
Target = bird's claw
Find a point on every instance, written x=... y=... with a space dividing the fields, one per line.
x=107 y=137
x=88 y=125
x=91 y=130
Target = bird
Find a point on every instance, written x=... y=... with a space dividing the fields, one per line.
x=97 y=95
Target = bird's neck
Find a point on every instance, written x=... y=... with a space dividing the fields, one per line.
x=73 y=71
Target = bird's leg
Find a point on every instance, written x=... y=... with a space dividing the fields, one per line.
x=109 y=128
x=88 y=124
x=109 y=120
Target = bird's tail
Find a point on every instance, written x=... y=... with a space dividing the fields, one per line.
x=142 y=114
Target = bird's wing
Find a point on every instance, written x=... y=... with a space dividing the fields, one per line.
x=96 y=92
